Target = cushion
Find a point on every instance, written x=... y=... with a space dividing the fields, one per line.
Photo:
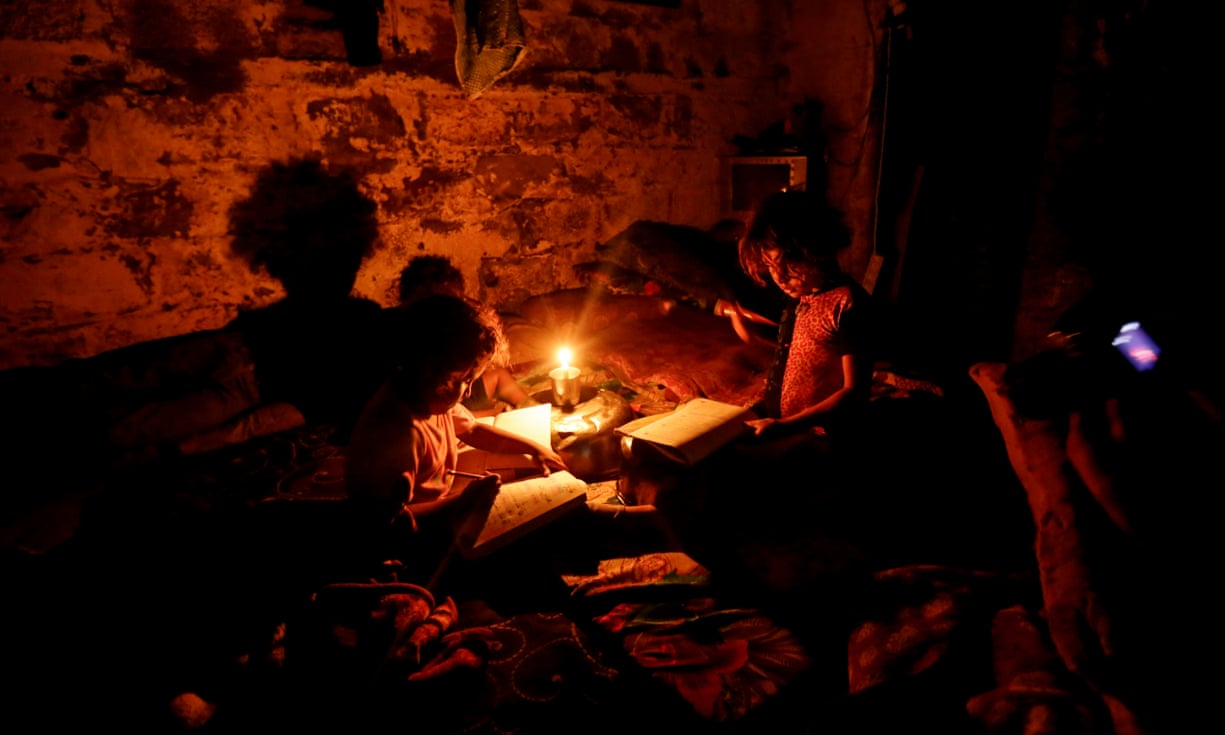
x=1079 y=623
x=695 y=266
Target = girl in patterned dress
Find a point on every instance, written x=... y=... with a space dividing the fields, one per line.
x=826 y=346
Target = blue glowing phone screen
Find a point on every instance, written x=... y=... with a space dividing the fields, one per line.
x=1137 y=346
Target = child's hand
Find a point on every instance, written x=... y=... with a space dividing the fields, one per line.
x=762 y=426
x=488 y=483
x=472 y=507
x=549 y=460
x=479 y=495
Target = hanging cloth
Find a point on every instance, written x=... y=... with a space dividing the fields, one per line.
x=490 y=42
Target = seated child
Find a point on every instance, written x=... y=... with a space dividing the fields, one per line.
x=406 y=442
x=812 y=424
x=829 y=337
x=497 y=389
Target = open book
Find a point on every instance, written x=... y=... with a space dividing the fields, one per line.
x=527 y=498
x=694 y=431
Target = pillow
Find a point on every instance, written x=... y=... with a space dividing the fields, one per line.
x=1117 y=586
x=694 y=265
x=1079 y=622
x=263 y=420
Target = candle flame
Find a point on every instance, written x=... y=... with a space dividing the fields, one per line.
x=564 y=356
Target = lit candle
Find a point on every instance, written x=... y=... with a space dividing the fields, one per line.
x=565 y=381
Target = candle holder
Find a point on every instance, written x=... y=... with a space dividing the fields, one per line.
x=566 y=388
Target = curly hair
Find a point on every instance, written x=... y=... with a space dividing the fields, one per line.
x=429 y=274
x=441 y=334
x=797 y=223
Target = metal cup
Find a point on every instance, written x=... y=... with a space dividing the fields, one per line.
x=566 y=386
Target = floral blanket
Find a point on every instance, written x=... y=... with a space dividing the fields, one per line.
x=724 y=660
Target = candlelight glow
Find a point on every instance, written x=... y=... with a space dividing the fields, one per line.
x=565 y=379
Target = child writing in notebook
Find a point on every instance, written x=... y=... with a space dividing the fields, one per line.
x=497 y=389
x=403 y=451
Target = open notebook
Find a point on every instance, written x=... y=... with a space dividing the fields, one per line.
x=527 y=498
x=694 y=431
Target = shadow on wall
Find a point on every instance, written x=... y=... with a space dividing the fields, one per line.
x=359 y=25
x=310 y=228
x=307 y=227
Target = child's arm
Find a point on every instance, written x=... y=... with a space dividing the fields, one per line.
x=505 y=388
x=739 y=316
x=855 y=390
x=500 y=441
x=411 y=495
x=410 y=512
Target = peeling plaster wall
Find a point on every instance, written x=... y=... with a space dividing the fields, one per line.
x=129 y=129
x=836 y=60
